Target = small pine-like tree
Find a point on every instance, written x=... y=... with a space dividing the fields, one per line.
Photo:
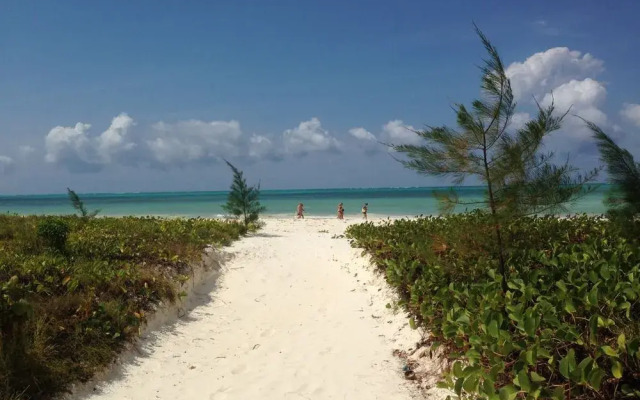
x=243 y=200
x=623 y=199
x=519 y=179
x=78 y=204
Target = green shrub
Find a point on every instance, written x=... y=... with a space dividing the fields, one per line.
x=54 y=232
x=65 y=315
x=567 y=327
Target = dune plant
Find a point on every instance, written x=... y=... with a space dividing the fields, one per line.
x=243 y=200
x=623 y=172
x=519 y=178
x=568 y=327
x=78 y=204
x=74 y=292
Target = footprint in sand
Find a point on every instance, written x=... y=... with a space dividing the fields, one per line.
x=239 y=369
x=267 y=333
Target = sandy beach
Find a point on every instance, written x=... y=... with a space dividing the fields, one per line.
x=296 y=314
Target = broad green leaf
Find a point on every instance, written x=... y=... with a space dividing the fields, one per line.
x=464 y=319
x=508 y=392
x=523 y=381
x=609 y=351
x=471 y=383
x=616 y=369
x=457 y=369
x=530 y=325
x=569 y=307
x=560 y=284
x=622 y=340
x=458 y=386
x=493 y=328
x=558 y=393
x=568 y=364
x=536 y=378
x=593 y=296
x=595 y=377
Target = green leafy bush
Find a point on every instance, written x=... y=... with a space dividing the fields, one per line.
x=54 y=232
x=568 y=326
x=64 y=315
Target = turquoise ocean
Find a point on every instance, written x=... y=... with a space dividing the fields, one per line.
x=317 y=202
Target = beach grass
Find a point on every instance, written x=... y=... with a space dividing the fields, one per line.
x=74 y=291
x=568 y=326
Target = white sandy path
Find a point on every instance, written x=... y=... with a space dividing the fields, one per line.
x=290 y=319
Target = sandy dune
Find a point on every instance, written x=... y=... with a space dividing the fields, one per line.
x=296 y=314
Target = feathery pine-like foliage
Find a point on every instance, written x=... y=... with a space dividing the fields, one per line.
x=520 y=180
x=78 y=204
x=243 y=200
x=624 y=174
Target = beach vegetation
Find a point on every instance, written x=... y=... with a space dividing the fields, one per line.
x=520 y=179
x=243 y=201
x=568 y=325
x=78 y=204
x=623 y=199
x=75 y=291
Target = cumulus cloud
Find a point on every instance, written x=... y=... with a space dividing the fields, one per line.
x=362 y=134
x=262 y=147
x=519 y=120
x=367 y=141
x=190 y=141
x=113 y=141
x=544 y=71
x=308 y=137
x=584 y=97
x=73 y=148
x=6 y=165
x=25 y=151
x=396 y=133
x=631 y=112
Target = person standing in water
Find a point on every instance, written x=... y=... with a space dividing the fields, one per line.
x=365 y=209
x=300 y=210
x=340 y=211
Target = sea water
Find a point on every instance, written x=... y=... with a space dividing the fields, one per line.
x=317 y=202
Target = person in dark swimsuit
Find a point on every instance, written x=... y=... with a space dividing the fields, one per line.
x=300 y=210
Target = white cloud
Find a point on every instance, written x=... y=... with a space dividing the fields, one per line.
x=362 y=134
x=547 y=70
x=6 y=164
x=261 y=147
x=67 y=142
x=25 y=151
x=307 y=137
x=631 y=112
x=75 y=149
x=113 y=140
x=367 y=141
x=584 y=97
x=396 y=133
x=189 y=141
x=519 y=120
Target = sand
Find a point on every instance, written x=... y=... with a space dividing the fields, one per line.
x=296 y=314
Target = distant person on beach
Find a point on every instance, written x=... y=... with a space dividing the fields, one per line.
x=340 y=211
x=365 y=209
x=300 y=210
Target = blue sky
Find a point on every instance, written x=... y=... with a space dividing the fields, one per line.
x=150 y=95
